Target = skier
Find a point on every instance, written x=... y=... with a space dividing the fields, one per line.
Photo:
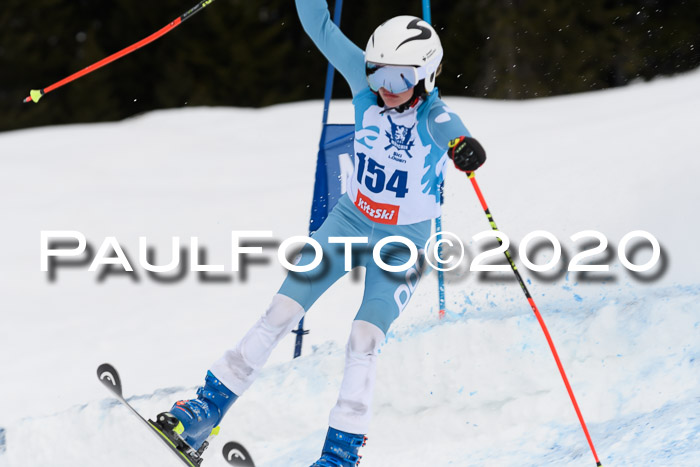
x=403 y=136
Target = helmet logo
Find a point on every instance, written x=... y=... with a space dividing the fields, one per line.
x=424 y=32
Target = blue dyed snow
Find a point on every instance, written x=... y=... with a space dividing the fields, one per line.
x=577 y=298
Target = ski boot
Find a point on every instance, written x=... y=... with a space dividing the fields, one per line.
x=340 y=449
x=190 y=423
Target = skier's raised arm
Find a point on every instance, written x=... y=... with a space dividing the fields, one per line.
x=345 y=56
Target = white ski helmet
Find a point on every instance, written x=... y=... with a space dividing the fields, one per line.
x=407 y=40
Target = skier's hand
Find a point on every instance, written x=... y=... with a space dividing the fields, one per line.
x=467 y=154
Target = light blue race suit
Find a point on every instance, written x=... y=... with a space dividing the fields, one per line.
x=400 y=159
x=399 y=164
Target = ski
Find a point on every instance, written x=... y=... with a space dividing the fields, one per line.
x=236 y=455
x=109 y=376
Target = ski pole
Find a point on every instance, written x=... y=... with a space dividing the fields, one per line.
x=537 y=315
x=36 y=94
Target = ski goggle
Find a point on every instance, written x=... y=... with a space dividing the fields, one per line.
x=393 y=78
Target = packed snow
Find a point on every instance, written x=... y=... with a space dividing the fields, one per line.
x=478 y=388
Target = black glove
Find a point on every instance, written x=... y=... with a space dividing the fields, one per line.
x=466 y=153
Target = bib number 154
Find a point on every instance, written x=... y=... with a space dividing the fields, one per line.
x=372 y=175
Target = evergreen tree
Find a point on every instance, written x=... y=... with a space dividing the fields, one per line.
x=255 y=53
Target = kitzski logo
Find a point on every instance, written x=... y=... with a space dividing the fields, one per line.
x=400 y=137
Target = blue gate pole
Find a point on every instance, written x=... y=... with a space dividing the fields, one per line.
x=441 y=275
x=330 y=74
x=426 y=11
x=438 y=220
x=330 y=71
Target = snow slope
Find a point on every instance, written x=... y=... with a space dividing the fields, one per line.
x=479 y=388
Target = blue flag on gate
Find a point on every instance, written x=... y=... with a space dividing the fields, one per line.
x=333 y=167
